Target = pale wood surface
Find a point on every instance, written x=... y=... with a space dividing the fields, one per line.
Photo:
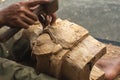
x=65 y=49
x=80 y=60
x=67 y=33
x=97 y=74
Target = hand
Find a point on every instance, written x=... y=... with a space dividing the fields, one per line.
x=19 y=14
x=47 y=19
x=44 y=18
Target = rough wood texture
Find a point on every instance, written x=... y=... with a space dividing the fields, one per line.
x=66 y=50
x=45 y=45
x=67 y=33
x=81 y=59
x=97 y=74
x=33 y=32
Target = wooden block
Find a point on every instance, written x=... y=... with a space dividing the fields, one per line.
x=56 y=63
x=33 y=31
x=51 y=63
x=66 y=50
x=57 y=40
x=43 y=63
x=45 y=45
x=97 y=74
x=67 y=33
x=81 y=59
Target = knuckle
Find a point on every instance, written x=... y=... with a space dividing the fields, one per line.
x=21 y=15
x=22 y=8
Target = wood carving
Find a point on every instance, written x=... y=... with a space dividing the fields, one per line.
x=97 y=74
x=66 y=51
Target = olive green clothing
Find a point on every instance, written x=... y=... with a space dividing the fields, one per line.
x=10 y=70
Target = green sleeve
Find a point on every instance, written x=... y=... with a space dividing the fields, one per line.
x=10 y=70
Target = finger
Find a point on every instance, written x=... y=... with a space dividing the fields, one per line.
x=53 y=18
x=30 y=14
x=36 y=2
x=21 y=24
x=27 y=19
x=48 y=20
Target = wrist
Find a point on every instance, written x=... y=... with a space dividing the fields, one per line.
x=1 y=19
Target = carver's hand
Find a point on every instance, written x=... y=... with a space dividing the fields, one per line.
x=48 y=19
x=44 y=18
x=20 y=14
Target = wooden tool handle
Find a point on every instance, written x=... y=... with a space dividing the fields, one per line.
x=8 y=34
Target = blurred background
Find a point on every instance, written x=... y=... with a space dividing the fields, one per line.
x=100 y=17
